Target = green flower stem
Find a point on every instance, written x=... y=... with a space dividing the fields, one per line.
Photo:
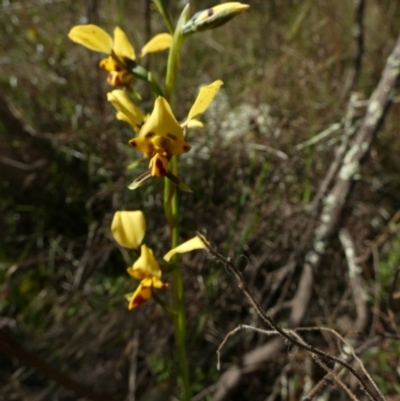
x=171 y=208
x=179 y=301
x=173 y=56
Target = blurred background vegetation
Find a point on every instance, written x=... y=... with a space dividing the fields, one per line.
x=63 y=159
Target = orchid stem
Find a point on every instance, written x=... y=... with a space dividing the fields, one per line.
x=171 y=209
x=173 y=56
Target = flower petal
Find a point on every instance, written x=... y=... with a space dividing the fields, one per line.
x=144 y=291
x=92 y=37
x=158 y=43
x=146 y=265
x=122 y=102
x=162 y=122
x=196 y=242
x=204 y=99
x=139 y=181
x=177 y=147
x=157 y=283
x=141 y=295
x=143 y=144
x=180 y=184
x=128 y=228
x=193 y=123
x=122 y=47
x=108 y=64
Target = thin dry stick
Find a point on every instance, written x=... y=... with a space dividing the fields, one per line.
x=313 y=392
x=242 y=285
x=390 y=229
x=331 y=373
x=390 y=305
x=358 y=34
x=204 y=393
x=351 y=354
x=132 y=371
x=377 y=289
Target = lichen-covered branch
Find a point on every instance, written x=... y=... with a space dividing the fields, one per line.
x=356 y=282
x=328 y=222
x=358 y=35
x=335 y=200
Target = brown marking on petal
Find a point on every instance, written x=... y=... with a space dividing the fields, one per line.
x=132 y=142
x=160 y=168
x=138 y=301
x=149 y=135
x=118 y=68
x=172 y=136
x=186 y=148
x=114 y=79
x=150 y=148
x=210 y=12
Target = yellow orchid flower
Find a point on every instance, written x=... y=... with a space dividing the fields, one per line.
x=148 y=271
x=162 y=136
x=213 y=17
x=121 y=54
x=128 y=229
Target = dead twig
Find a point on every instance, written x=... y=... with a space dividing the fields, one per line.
x=133 y=368
x=289 y=338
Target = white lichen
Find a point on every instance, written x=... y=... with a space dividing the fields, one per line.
x=374 y=112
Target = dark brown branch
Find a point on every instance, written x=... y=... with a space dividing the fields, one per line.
x=283 y=333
